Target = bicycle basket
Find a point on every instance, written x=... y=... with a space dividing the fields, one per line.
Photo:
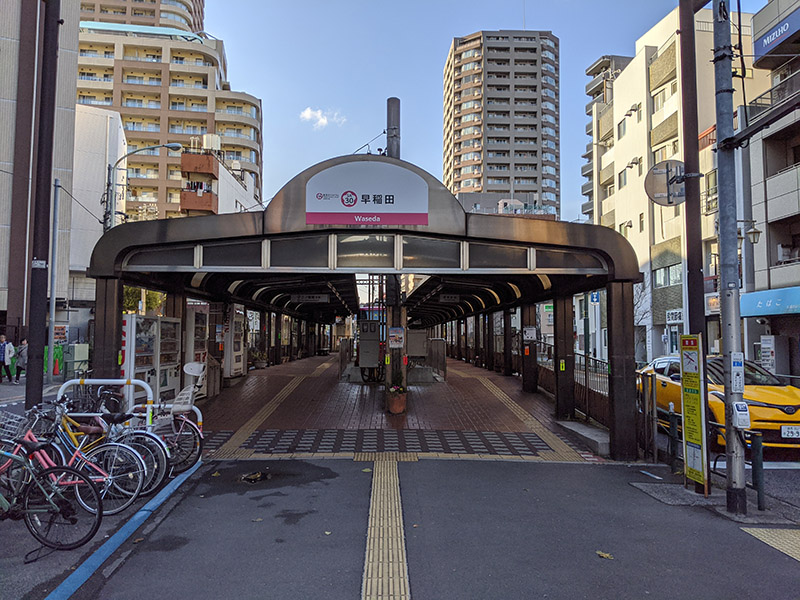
x=12 y=426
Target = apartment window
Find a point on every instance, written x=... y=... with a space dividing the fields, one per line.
x=548 y=118
x=549 y=106
x=675 y=146
x=549 y=183
x=641 y=222
x=659 y=154
x=549 y=196
x=497 y=180
x=640 y=166
x=547 y=67
x=622 y=178
x=623 y=229
x=548 y=92
x=673 y=87
x=547 y=131
x=665 y=276
x=621 y=129
x=549 y=156
x=639 y=112
x=548 y=170
x=609 y=190
x=549 y=144
x=496 y=154
x=658 y=100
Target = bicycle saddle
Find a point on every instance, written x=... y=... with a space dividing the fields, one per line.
x=117 y=418
x=31 y=447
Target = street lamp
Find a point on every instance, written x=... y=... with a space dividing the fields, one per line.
x=111 y=208
x=753 y=234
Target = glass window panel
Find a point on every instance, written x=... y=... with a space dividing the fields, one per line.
x=226 y=255
x=376 y=251
x=171 y=257
x=299 y=252
x=549 y=259
x=427 y=253
x=488 y=256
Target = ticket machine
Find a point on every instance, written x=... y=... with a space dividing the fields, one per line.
x=235 y=353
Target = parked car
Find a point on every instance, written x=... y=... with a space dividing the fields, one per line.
x=774 y=407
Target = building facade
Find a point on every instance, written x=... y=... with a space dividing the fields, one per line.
x=152 y=63
x=636 y=122
x=771 y=305
x=501 y=116
x=20 y=71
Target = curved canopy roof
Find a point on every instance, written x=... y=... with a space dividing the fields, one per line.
x=366 y=214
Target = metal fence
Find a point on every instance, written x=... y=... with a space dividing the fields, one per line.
x=591 y=389
x=345 y=354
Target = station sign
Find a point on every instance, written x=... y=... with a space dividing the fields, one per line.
x=529 y=334
x=311 y=298
x=449 y=298
x=366 y=193
x=693 y=410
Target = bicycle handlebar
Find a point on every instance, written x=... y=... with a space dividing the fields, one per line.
x=135 y=382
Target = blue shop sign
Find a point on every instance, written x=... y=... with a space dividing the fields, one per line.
x=783 y=30
x=782 y=301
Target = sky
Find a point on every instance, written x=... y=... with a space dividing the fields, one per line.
x=324 y=69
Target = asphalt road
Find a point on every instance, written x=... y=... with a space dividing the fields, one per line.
x=473 y=529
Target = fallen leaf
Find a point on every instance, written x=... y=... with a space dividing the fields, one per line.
x=327 y=533
x=215 y=474
x=367 y=470
x=137 y=540
x=258 y=520
x=415 y=525
x=604 y=555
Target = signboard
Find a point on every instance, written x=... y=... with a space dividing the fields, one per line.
x=664 y=185
x=782 y=301
x=674 y=316
x=60 y=334
x=737 y=372
x=780 y=32
x=311 y=298
x=594 y=297
x=366 y=193
x=449 y=298
x=768 y=353
x=712 y=303
x=529 y=334
x=396 y=337
x=548 y=308
x=693 y=409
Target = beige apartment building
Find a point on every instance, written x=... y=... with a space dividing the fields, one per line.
x=151 y=62
x=636 y=122
x=501 y=118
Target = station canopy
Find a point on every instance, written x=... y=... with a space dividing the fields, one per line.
x=366 y=214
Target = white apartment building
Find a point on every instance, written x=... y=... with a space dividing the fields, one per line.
x=636 y=124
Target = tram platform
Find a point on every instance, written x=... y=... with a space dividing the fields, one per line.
x=302 y=409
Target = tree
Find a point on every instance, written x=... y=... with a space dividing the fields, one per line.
x=642 y=310
x=131 y=296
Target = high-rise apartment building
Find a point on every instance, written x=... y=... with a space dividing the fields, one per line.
x=501 y=116
x=637 y=113
x=151 y=62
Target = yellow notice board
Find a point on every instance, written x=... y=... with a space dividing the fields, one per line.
x=693 y=409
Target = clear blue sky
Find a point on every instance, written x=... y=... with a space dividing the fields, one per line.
x=324 y=68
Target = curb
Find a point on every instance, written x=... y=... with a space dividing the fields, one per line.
x=88 y=567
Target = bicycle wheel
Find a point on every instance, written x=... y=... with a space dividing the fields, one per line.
x=53 y=512
x=155 y=455
x=119 y=473
x=185 y=443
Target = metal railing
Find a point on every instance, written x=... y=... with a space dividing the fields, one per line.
x=773 y=96
x=345 y=354
x=437 y=356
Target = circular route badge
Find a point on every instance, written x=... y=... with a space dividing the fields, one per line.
x=349 y=199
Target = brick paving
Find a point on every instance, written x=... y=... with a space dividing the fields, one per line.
x=324 y=415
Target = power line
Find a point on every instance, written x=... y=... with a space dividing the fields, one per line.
x=369 y=142
x=81 y=205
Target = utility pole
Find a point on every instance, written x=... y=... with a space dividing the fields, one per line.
x=728 y=246
x=51 y=326
x=41 y=208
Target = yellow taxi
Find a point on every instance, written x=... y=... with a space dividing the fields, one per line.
x=774 y=407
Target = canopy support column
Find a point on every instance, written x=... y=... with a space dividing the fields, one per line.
x=108 y=327
x=622 y=371
x=564 y=364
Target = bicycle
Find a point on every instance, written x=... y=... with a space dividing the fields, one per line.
x=116 y=469
x=49 y=500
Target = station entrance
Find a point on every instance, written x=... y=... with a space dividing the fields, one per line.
x=364 y=214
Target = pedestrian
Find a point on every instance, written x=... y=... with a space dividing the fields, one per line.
x=6 y=353
x=22 y=358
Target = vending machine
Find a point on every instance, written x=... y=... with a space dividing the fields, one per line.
x=196 y=339
x=139 y=343
x=151 y=351
x=235 y=353
x=169 y=357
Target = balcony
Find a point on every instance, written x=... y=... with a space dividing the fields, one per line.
x=595 y=86
x=786 y=91
x=587 y=208
x=207 y=164
x=783 y=193
x=138 y=127
x=200 y=200
x=586 y=169
x=587 y=188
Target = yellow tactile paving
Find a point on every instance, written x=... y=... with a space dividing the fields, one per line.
x=785 y=540
x=321 y=369
x=385 y=563
x=561 y=451
x=385 y=456
x=240 y=437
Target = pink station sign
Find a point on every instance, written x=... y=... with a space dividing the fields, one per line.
x=366 y=193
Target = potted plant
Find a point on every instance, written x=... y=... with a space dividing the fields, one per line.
x=259 y=359
x=396 y=395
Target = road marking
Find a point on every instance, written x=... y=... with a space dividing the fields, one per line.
x=231 y=448
x=321 y=369
x=651 y=475
x=785 y=540
x=385 y=563
x=88 y=567
x=561 y=450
